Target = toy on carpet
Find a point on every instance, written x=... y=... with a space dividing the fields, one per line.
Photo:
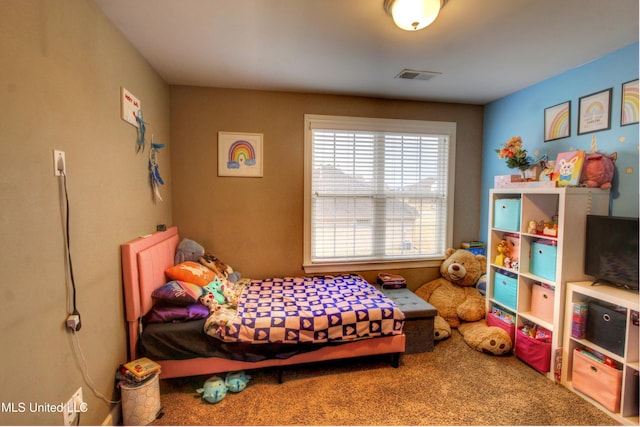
x=237 y=381
x=459 y=303
x=213 y=390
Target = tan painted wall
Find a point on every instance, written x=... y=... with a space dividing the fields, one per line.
x=62 y=66
x=256 y=224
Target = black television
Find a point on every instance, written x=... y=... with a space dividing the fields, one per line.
x=611 y=251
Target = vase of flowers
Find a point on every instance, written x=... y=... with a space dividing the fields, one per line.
x=515 y=155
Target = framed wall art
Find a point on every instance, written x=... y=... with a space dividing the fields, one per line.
x=630 y=105
x=240 y=154
x=594 y=112
x=557 y=121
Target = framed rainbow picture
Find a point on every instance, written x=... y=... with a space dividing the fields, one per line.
x=629 y=114
x=557 y=121
x=594 y=112
x=240 y=154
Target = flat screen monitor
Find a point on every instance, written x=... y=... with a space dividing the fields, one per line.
x=611 y=250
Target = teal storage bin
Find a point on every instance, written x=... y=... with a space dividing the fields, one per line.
x=505 y=289
x=543 y=259
x=506 y=214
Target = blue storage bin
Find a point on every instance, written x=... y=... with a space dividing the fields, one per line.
x=506 y=214
x=505 y=288
x=543 y=259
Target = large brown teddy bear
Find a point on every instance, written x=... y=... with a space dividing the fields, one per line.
x=461 y=306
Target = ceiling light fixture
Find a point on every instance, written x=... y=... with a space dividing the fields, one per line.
x=413 y=15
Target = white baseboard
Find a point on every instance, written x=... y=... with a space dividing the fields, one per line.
x=114 y=416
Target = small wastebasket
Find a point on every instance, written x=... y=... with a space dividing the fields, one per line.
x=141 y=402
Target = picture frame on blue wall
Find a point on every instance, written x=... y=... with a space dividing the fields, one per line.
x=629 y=113
x=557 y=121
x=594 y=112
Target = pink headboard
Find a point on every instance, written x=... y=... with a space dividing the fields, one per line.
x=144 y=261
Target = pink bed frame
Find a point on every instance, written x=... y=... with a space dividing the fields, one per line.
x=144 y=261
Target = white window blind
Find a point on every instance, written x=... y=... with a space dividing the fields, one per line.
x=377 y=191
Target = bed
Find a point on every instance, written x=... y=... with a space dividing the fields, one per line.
x=144 y=261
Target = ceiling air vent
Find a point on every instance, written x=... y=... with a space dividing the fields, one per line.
x=408 y=74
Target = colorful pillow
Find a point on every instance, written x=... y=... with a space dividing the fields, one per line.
x=191 y=272
x=177 y=293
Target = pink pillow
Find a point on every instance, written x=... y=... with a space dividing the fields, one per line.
x=191 y=272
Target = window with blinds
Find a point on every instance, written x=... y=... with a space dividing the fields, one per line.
x=377 y=191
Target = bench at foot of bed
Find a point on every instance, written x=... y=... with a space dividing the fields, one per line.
x=418 y=323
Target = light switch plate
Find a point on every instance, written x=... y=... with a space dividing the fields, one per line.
x=129 y=105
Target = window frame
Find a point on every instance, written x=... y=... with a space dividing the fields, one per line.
x=313 y=121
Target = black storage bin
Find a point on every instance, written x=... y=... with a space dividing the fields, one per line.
x=606 y=328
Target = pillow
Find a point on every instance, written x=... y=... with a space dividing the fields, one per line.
x=176 y=314
x=177 y=293
x=191 y=272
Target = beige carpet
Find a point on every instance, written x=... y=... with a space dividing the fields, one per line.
x=453 y=385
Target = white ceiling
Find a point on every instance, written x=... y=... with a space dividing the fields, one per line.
x=485 y=49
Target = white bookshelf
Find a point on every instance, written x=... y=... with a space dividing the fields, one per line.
x=570 y=205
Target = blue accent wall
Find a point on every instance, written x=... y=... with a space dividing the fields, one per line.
x=522 y=114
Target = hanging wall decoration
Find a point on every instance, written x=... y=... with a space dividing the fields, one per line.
x=154 y=172
x=239 y=154
x=594 y=112
x=156 y=179
x=630 y=103
x=142 y=127
x=557 y=121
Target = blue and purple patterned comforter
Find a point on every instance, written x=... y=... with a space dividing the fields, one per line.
x=315 y=309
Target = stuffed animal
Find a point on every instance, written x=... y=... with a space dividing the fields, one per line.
x=236 y=381
x=458 y=302
x=188 y=250
x=503 y=250
x=213 y=390
x=215 y=290
x=598 y=169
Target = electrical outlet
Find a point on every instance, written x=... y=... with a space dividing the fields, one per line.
x=72 y=408
x=59 y=163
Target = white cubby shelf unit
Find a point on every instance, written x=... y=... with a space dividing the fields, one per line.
x=569 y=207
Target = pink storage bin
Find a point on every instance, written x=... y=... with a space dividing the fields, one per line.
x=542 y=302
x=533 y=352
x=597 y=380
x=510 y=328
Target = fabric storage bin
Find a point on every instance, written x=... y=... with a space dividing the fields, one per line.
x=606 y=328
x=505 y=288
x=506 y=214
x=543 y=259
x=597 y=380
x=533 y=352
x=542 y=302
x=510 y=328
